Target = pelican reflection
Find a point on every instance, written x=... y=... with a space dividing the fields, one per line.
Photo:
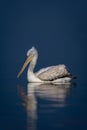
x=55 y=94
x=29 y=103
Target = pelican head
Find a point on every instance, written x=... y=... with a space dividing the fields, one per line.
x=30 y=55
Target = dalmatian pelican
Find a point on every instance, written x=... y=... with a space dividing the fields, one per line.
x=52 y=74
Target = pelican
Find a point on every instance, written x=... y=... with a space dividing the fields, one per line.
x=52 y=74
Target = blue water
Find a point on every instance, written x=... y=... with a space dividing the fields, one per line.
x=58 y=30
x=30 y=106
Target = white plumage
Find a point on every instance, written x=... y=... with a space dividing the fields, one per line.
x=52 y=74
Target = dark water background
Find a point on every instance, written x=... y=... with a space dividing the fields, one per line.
x=58 y=29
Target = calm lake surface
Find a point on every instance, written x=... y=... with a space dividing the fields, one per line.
x=58 y=30
x=30 y=106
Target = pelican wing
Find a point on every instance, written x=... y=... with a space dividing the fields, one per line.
x=53 y=72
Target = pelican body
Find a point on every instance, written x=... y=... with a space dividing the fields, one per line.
x=52 y=74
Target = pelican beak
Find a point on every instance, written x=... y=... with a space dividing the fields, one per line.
x=29 y=59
